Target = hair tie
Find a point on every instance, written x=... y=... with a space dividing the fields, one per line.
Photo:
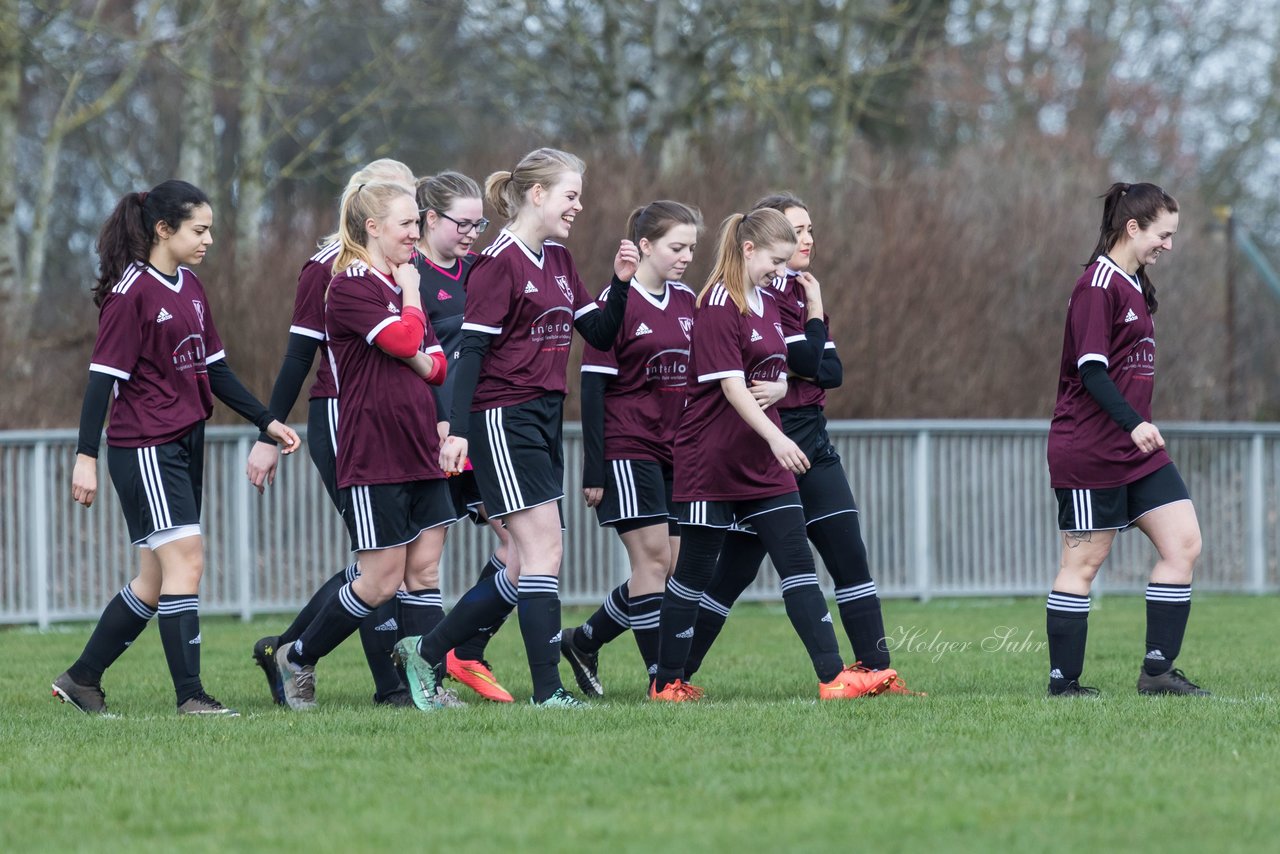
x=142 y=197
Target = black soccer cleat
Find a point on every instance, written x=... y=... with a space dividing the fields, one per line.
x=264 y=655
x=89 y=699
x=585 y=665
x=1170 y=682
x=1072 y=689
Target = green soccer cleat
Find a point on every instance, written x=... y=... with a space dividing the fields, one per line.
x=561 y=699
x=424 y=683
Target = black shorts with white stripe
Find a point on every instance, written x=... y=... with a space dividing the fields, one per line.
x=322 y=443
x=159 y=486
x=517 y=453
x=824 y=488
x=732 y=514
x=466 y=498
x=1119 y=507
x=637 y=493
x=386 y=515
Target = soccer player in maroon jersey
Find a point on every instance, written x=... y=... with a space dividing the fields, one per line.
x=830 y=511
x=524 y=299
x=158 y=363
x=1107 y=461
x=733 y=463
x=452 y=212
x=378 y=633
x=632 y=397
x=392 y=491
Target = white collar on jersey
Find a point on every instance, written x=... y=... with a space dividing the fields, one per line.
x=659 y=303
x=755 y=301
x=1116 y=267
x=535 y=257
x=159 y=277
x=385 y=280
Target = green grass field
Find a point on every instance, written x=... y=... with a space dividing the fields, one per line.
x=985 y=762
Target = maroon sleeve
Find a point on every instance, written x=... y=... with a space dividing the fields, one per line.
x=119 y=342
x=717 y=335
x=1089 y=317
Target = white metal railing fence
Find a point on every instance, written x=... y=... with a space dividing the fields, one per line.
x=949 y=508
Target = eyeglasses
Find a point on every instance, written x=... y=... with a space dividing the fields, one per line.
x=464 y=225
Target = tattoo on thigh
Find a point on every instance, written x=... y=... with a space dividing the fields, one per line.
x=1075 y=538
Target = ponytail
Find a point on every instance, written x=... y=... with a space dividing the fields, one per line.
x=129 y=232
x=765 y=228
x=1142 y=203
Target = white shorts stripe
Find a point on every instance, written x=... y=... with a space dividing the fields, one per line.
x=507 y=480
x=149 y=465
x=333 y=423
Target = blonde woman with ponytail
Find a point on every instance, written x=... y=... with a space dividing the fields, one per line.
x=733 y=463
x=306 y=340
x=392 y=491
x=524 y=299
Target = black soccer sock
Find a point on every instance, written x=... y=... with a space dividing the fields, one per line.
x=699 y=548
x=336 y=622
x=121 y=622
x=1168 y=607
x=609 y=621
x=180 y=636
x=378 y=634
x=1067 y=624
x=838 y=540
x=645 y=611
x=487 y=603
x=539 y=610
x=421 y=611
x=864 y=623
x=317 y=601
x=711 y=619
x=807 y=610
x=473 y=648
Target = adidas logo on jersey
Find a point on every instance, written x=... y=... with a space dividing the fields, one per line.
x=443 y=295
x=559 y=635
x=388 y=626
x=391 y=307
x=195 y=641
x=529 y=288
x=756 y=336
x=686 y=634
x=643 y=329
x=1130 y=317
x=163 y=315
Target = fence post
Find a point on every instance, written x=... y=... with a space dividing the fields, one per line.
x=39 y=531
x=248 y=533
x=922 y=551
x=1255 y=514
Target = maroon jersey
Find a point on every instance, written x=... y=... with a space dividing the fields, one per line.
x=528 y=303
x=718 y=457
x=791 y=308
x=308 y=313
x=649 y=367
x=386 y=412
x=1107 y=322
x=156 y=339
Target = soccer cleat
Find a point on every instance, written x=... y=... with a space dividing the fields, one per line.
x=678 y=691
x=446 y=699
x=397 y=698
x=561 y=699
x=264 y=655
x=1170 y=682
x=856 y=681
x=424 y=685
x=89 y=699
x=1072 y=689
x=203 y=704
x=897 y=686
x=298 y=683
x=477 y=676
x=585 y=665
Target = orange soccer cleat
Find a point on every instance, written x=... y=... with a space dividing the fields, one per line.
x=856 y=681
x=678 y=691
x=477 y=676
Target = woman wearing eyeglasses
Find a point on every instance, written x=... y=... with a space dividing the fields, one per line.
x=452 y=214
